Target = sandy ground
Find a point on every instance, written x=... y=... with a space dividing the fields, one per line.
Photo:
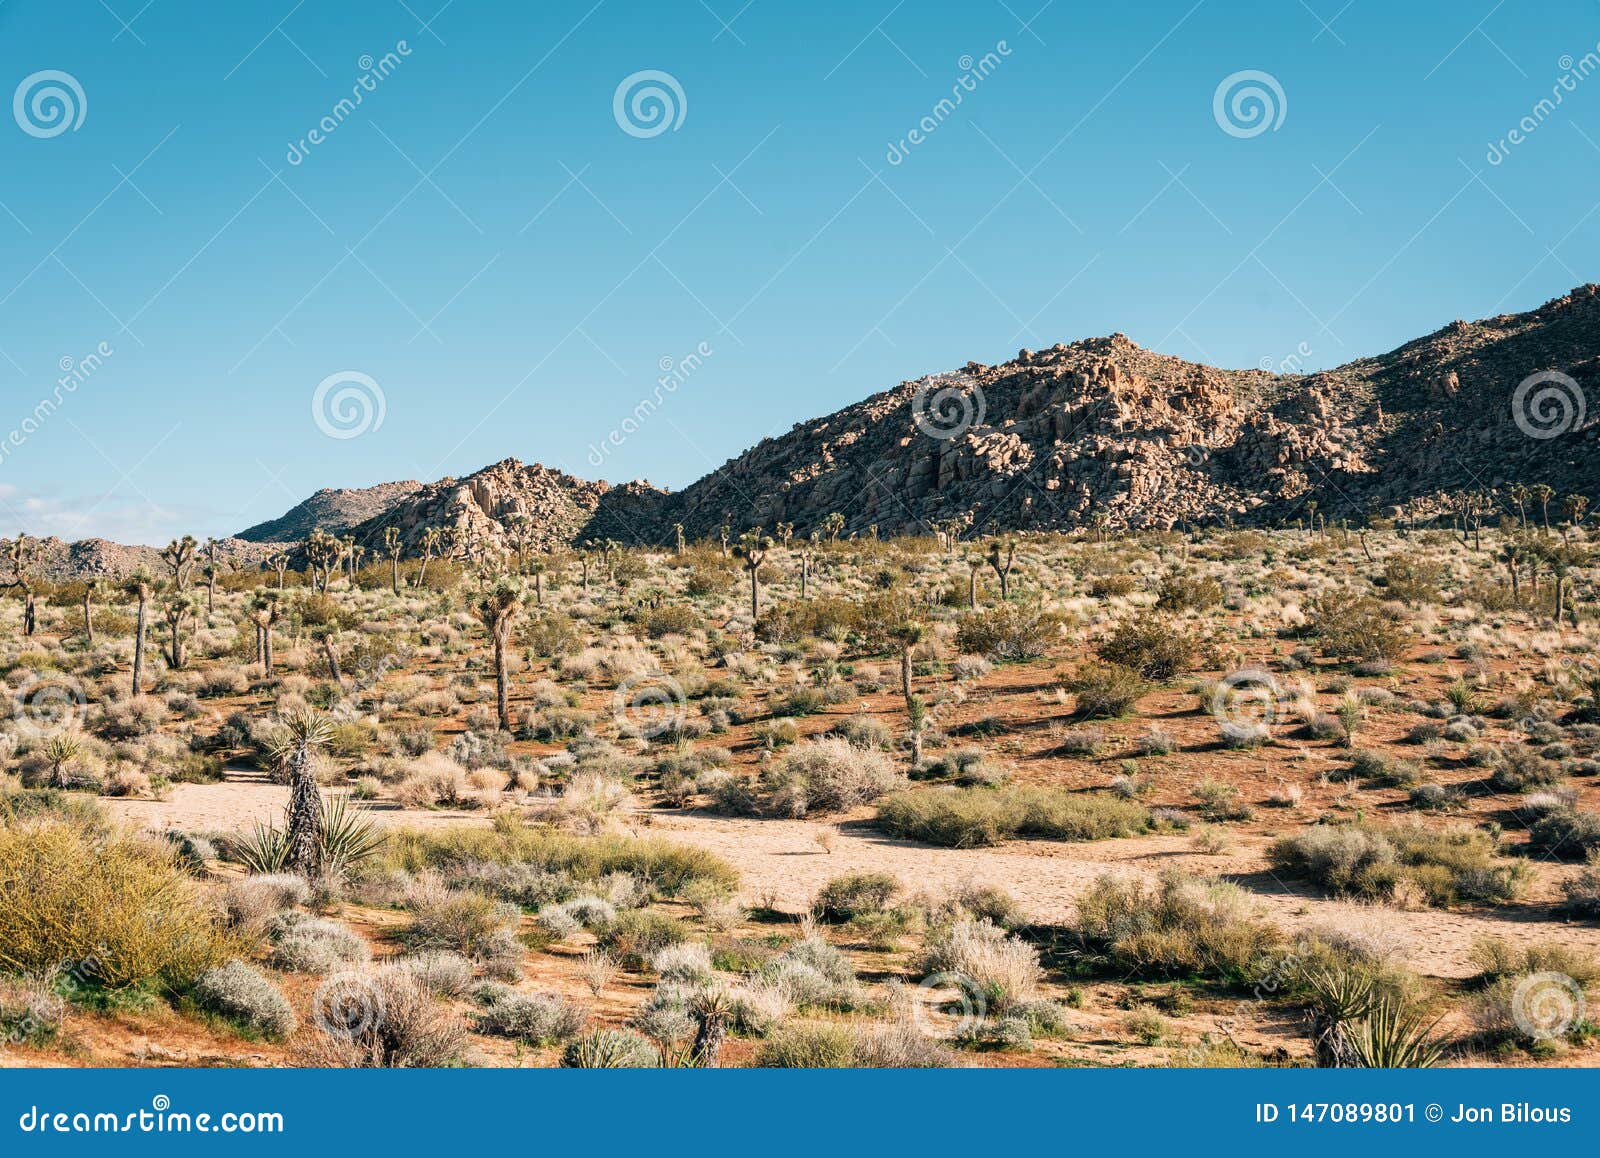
x=782 y=864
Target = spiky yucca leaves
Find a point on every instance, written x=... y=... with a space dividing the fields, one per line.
x=1394 y=1036
x=711 y=1009
x=1355 y=1024
x=345 y=838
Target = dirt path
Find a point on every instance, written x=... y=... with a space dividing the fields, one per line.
x=781 y=863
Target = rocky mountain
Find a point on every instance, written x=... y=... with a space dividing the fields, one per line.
x=103 y=559
x=335 y=511
x=494 y=504
x=1101 y=430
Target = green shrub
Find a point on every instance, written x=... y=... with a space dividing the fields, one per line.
x=610 y=1049
x=1353 y=626
x=637 y=935
x=1008 y=632
x=1157 y=647
x=973 y=817
x=1179 y=926
x=1105 y=690
x=854 y=895
x=825 y=1045
x=534 y=1018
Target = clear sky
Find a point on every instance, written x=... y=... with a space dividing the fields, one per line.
x=510 y=260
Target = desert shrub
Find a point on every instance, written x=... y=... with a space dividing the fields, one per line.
x=414 y=1031
x=855 y=895
x=439 y=971
x=1105 y=690
x=666 y=867
x=610 y=1049
x=973 y=817
x=1178 y=926
x=636 y=936
x=1004 y=969
x=1521 y=769
x=534 y=1018
x=1008 y=632
x=1413 y=578
x=473 y=925
x=1567 y=834
x=1440 y=866
x=1497 y=958
x=1157 y=647
x=30 y=1011
x=826 y=775
x=117 y=908
x=1179 y=592
x=824 y=1045
x=305 y=944
x=1353 y=626
x=865 y=732
x=1218 y=801
x=251 y=903
x=1583 y=891
x=243 y=994
x=551 y=635
x=670 y=619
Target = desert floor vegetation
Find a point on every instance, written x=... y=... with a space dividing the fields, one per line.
x=1311 y=796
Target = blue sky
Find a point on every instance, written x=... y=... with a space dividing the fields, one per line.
x=509 y=267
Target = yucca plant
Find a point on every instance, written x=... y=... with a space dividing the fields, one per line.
x=305 y=732
x=345 y=838
x=1394 y=1036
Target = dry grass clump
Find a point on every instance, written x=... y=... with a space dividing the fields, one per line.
x=381 y=1018
x=825 y=776
x=531 y=1018
x=975 y=817
x=1179 y=926
x=1003 y=969
x=1405 y=864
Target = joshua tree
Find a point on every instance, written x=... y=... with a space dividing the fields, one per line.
x=141 y=586
x=808 y=551
x=917 y=713
x=497 y=611
x=392 y=544
x=677 y=534
x=264 y=612
x=724 y=534
x=432 y=540
x=176 y=609
x=307 y=732
x=1542 y=494
x=522 y=533
x=1002 y=561
x=537 y=568
x=785 y=533
x=355 y=552
x=324 y=621
x=279 y=562
x=1573 y=508
x=833 y=526
x=711 y=1010
x=89 y=586
x=322 y=552
x=908 y=635
x=753 y=548
x=974 y=565
x=1512 y=553
x=212 y=570
x=1562 y=559
x=1519 y=495
x=179 y=556
x=20 y=555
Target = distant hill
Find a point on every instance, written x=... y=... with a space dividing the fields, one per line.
x=1099 y=431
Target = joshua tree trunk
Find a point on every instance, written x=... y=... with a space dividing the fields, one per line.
x=711 y=1030
x=805 y=573
x=88 y=616
x=905 y=672
x=138 y=644
x=397 y=574
x=30 y=613
x=972 y=589
x=333 y=660
x=755 y=594
x=538 y=588
x=502 y=675
x=266 y=649
x=305 y=815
